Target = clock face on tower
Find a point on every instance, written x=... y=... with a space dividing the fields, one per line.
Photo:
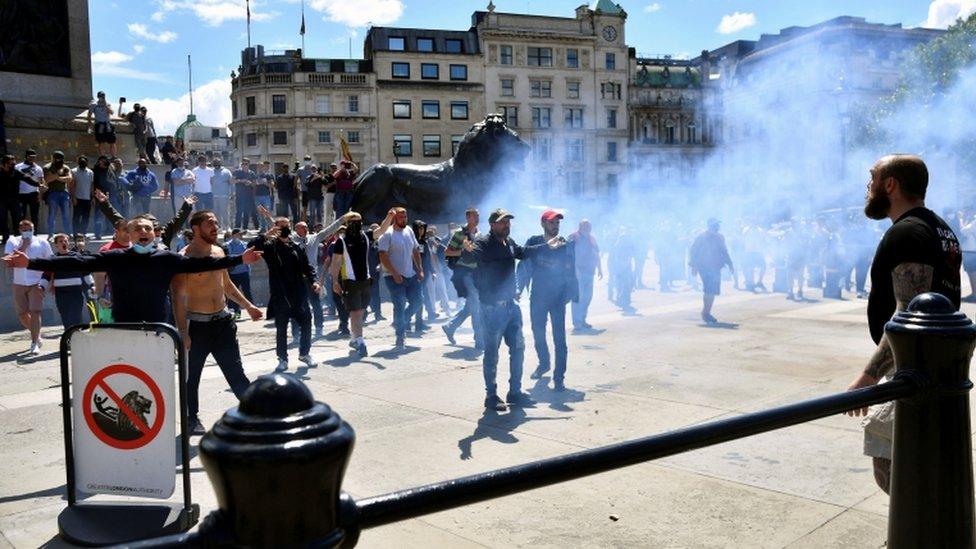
x=609 y=33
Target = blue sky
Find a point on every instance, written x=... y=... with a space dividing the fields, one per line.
x=139 y=49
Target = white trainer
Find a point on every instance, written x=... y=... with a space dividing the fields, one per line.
x=282 y=365
x=307 y=360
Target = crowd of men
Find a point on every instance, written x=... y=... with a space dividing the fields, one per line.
x=317 y=271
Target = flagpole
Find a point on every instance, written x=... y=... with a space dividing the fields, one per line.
x=189 y=72
x=303 y=28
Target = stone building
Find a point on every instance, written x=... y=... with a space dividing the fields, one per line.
x=429 y=91
x=671 y=122
x=804 y=79
x=595 y=112
x=562 y=83
x=286 y=106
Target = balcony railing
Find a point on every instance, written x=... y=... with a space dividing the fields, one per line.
x=338 y=79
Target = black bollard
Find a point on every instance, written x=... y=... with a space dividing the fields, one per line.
x=932 y=460
x=276 y=463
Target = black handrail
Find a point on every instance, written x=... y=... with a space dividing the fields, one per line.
x=414 y=502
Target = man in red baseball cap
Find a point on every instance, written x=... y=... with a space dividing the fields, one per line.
x=551 y=273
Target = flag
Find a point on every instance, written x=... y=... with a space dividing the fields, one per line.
x=302 y=30
x=346 y=155
x=248 y=12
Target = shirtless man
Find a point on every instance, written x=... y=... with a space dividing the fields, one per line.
x=201 y=314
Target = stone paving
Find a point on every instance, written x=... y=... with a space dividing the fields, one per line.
x=418 y=418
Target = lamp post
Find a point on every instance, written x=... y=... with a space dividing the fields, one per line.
x=842 y=100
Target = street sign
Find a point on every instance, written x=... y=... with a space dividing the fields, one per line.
x=125 y=415
x=118 y=390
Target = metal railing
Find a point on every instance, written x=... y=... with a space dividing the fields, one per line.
x=277 y=460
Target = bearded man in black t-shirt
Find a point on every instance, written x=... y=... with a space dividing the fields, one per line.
x=919 y=253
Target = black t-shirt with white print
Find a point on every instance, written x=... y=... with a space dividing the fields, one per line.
x=918 y=236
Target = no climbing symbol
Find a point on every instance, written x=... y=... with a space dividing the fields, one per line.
x=123 y=407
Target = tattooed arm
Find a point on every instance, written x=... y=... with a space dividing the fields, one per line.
x=909 y=280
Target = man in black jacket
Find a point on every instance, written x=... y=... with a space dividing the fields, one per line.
x=10 y=196
x=141 y=273
x=288 y=271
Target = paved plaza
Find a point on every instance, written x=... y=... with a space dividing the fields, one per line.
x=418 y=418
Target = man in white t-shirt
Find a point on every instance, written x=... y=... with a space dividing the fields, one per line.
x=29 y=286
x=31 y=186
x=402 y=271
x=203 y=188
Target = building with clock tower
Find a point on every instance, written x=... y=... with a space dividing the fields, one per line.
x=561 y=82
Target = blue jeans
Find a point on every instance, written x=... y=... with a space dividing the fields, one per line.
x=471 y=307
x=140 y=204
x=406 y=302
x=582 y=307
x=266 y=202
x=503 y=321
x=205 y=201
x=314 y=211
x=58 y=201
x=342 y=202
x=543 y=306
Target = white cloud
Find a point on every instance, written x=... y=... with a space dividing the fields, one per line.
x=211 y=104
x=121 y=71
x=361 y=13
x=110 y=63
x=651 y=8
x=140 y=30
x=943 y=13
x=214 y=12
x=736 y=22
x=139 y=48
x=158 y=16
x=110 y=57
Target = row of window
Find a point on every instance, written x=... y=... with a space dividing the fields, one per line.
x=451 y=45
x=281 y=138
x=428 y=71
x=542 y=57
x=430 y=145
x=572 y=149
x=429 y=109
x=279 y=104
x=542 y=117
x=543 y=182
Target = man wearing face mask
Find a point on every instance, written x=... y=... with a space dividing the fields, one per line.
x=68 y=287
x=141 y=273
x=10 y=180
x=29 y=284
x=919 y=253
x=351 y=278
x=290 y=276
x=57 y=177
x=142 y=183
x=31 y=186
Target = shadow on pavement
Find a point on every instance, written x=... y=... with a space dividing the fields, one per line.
x=720 y=325
x=463 y=353
x=54 y=491
x=350 y=359
x=557 y=400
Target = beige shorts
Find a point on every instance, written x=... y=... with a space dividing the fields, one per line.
x=28 y=298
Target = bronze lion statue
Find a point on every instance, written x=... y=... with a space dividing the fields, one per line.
x=489 y=153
